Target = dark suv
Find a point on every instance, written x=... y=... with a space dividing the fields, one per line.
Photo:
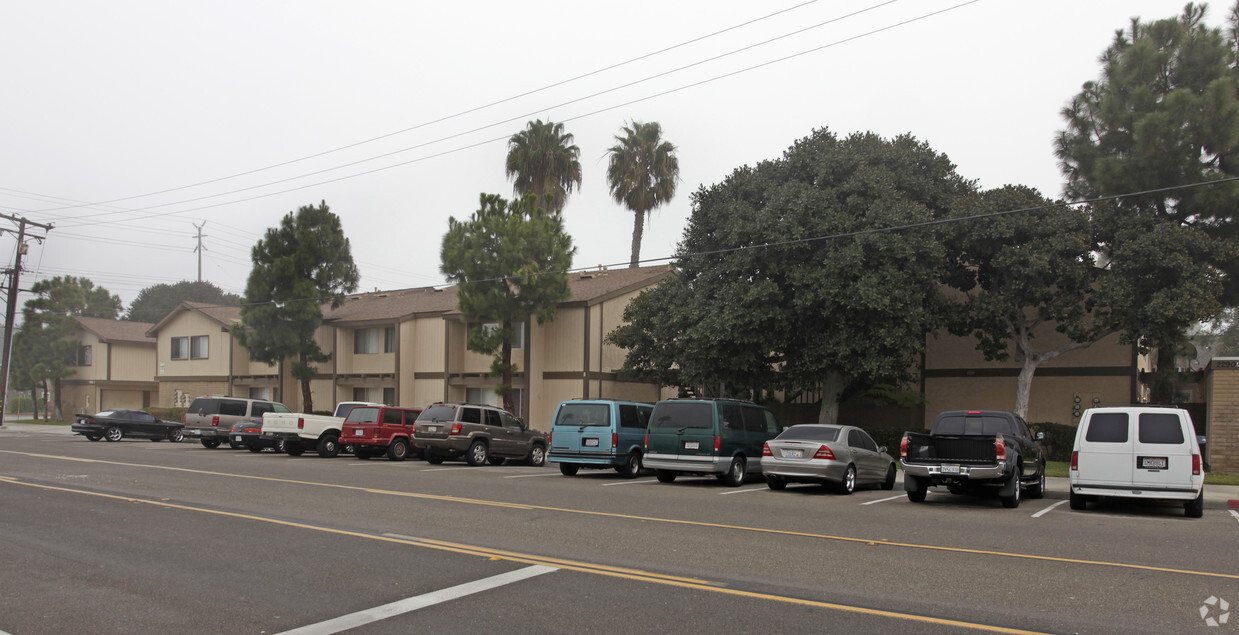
x=210 y=418
x=478 y=433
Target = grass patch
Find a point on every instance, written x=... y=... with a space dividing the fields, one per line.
x=1062 y=469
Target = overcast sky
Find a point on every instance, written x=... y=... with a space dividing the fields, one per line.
x=126 y=123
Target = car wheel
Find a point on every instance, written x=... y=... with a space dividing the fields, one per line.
x=433 y=458
x=328 y=447
x=568 y=469
x=253 y=448
x=176 y=436
x=848 y=484
x=631 y=467
x=293 y=448
x=1037 y=490
x=1078 y=502
x=281 y=446
x=210 y=444
x=776 y=482
x=398 y=450
x=735 y=472
x=94 y=437
x=915 y=488
x=1013 y=501
x=665 y=476
x=478 y=453
x=889 y=483
x=234 y=445
x=1195 y=508
x=113 y=433
x=537 y=455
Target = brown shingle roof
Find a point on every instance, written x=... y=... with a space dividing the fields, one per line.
x=117 y=330
x=391 y=305
x=225 y=315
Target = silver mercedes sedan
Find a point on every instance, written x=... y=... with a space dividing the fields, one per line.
x=832 y=455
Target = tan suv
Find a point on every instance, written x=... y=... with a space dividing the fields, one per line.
x=478 y=433
x=210 y=417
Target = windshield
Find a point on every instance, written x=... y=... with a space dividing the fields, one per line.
x=580 y=414
x=439 y=412
x=809 y=433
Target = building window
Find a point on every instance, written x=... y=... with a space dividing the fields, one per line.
x=180 y=348
x=260 y=392
x=518 y=333
x=199 y=345
x=488 y=397
x=375 y=395
x=389 y=396
x=368 y=341
x=83 y=356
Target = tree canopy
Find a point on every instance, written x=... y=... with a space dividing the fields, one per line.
x=642 y=171
x=1162 y=119
x=510 y=259
x=298 y=266
x=543 y=161
x=158 y=300
x=787 y=281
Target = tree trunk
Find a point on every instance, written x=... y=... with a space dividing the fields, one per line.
x=46 y=410
x=34 y=401
x=638 y=230
x=832 y=388
x=1030 y=359
x=307 y=401
x=1023 y=386
x=56 y=386
x=506 y=356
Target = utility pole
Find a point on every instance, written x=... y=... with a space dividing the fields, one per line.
x=10 y=310
x=200 y=248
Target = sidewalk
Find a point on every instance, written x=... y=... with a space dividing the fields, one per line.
x=26 y=426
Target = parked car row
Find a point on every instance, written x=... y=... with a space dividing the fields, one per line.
x=1137 y=452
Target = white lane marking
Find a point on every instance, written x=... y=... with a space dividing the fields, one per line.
x=629 y=482
x=1047 y=509
x=1235 y=514
x=446 y=469
x=400 y=607
x=882 y=500
x=741 y=491
x=529 y=475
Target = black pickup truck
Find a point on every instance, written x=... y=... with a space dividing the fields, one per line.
x=971 y=450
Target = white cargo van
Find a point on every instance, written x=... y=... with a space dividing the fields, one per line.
x=1137 y=452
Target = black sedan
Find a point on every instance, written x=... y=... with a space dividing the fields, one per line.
x=248 y=435
x=119 y=423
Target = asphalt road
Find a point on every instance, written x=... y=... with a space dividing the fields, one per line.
x=142 y=537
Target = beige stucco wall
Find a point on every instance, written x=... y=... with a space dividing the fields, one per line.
x=949 y=351
x=98 y=368
x=1222 y=430
x=609 y=316
x=1050 y=400
x=132 y=362
x=189 y=324
x=181 y=392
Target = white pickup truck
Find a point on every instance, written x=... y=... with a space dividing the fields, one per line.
x=300 y=432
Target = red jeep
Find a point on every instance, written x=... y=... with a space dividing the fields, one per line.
x=375 y=430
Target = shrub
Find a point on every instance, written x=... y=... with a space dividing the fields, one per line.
x=1058 y=440
x=168 y=414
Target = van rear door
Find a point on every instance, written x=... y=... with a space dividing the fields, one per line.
x=1163 y=453
x=1105 y=452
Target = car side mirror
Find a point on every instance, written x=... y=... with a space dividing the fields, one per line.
x=882 y=449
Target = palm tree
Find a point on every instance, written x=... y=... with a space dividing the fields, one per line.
x=643 y=172
x=542 y=160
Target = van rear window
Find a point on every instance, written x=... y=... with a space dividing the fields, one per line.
x=683 y=415
x=1157 y=427
x=1107 y=427
x=584 y=414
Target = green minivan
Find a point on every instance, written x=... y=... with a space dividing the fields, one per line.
x=722 y=437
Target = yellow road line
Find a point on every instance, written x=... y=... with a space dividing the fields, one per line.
x=572 y=565
x=670 y=521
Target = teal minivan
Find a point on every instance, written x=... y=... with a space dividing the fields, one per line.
x=722 y=437
x=599 y=433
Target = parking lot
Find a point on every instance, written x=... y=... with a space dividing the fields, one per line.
x=138 y=536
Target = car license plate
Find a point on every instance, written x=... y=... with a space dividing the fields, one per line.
x=1153 y=462
x=950 y=469
x=793 y=454
x=692 y=445
x=357 y=432
x=591 y=443
x=432 y=428
x=237 y=438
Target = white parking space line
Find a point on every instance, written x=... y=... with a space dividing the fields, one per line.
x=630 y=482
x=742 y=491
x=369 y=616
x=530 y=475
x=1235 y=514
x=446 y=469
x=882 y=500
x=1047 y=509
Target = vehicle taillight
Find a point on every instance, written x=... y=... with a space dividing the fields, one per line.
x=1195 y=465
x=550 y=435
x=824 y=453
x=1075 y=461
x=903 y=447
x=646 y=444
x=456 y=429
x=718 y=443
x=1000 y=448
x=765 y=450
x=300 y=423
x=215 y=420
x=614 y=440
